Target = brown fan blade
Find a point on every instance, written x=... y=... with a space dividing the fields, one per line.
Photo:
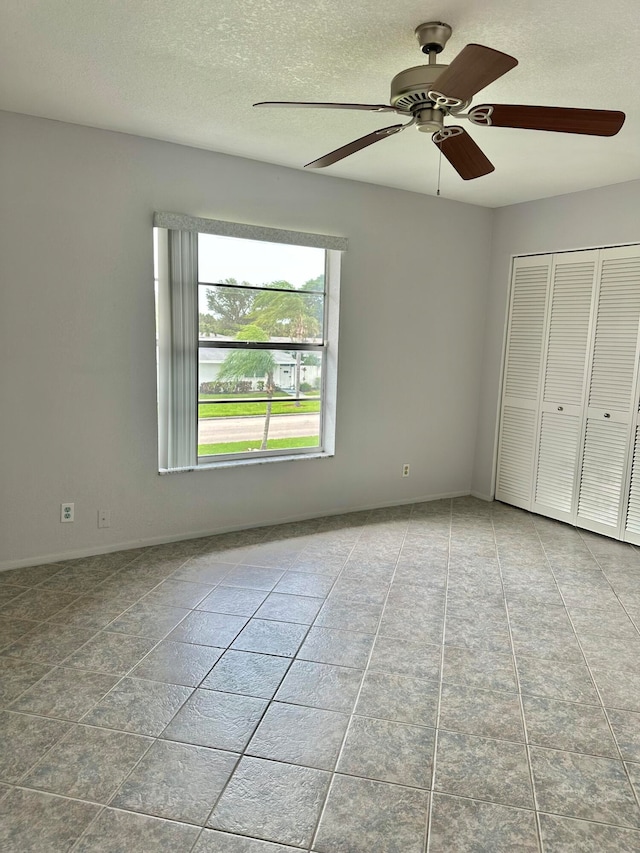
x=561 y=119
x=473 y=69
x=376 y=108
x=356 y=145
x=462 y=152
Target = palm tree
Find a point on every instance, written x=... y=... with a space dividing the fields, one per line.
x=289 y=315
x=252 y=364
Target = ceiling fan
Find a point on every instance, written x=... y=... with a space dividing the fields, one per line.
x=427 y=94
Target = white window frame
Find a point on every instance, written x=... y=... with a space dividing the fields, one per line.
x=176 y=261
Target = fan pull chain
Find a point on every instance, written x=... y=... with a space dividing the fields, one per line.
x=439 y=170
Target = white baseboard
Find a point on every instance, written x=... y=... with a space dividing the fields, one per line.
x=198 y=534
x=481 y=496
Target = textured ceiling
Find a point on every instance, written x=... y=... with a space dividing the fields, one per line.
x=188 y=72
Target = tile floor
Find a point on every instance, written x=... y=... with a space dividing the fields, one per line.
x=449 y=677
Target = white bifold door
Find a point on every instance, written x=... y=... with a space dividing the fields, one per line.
x=564 y=372
x=521 y=388
x=569 y=447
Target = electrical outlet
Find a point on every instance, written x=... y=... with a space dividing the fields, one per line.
x=405 y=469
x=66 y=512
x=104 y=518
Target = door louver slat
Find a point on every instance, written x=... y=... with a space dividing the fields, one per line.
x=602 y=472
x=633 y=509
x=526 y=332
x=568 y=332
x=516 y=451
x=618 y=312
x=557 y=460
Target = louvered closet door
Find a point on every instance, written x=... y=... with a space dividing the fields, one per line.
x=632 y=519
x=521 y=388
x=612 y=395
x=564 y=380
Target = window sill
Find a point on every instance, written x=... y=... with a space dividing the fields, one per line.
x=236 y=463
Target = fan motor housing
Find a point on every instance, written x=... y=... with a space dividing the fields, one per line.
x=410 y=88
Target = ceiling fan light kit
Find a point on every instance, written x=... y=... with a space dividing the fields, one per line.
x=427 y=94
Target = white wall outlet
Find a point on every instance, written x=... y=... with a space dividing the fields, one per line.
x=66 y=512
x=405 y=469
x=104 y=518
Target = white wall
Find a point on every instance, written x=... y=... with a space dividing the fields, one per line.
x=602 y=217
x=77 y=311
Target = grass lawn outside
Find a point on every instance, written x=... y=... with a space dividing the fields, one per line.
x=240 y=409
x=244 y=446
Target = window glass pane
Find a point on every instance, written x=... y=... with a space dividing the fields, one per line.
x=260 y=315
x=239 y=373
x=252 y=262
x=241 y=406
x=259 y=348
x=244 y=432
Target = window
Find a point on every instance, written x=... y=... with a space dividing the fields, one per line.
x=247 y=327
